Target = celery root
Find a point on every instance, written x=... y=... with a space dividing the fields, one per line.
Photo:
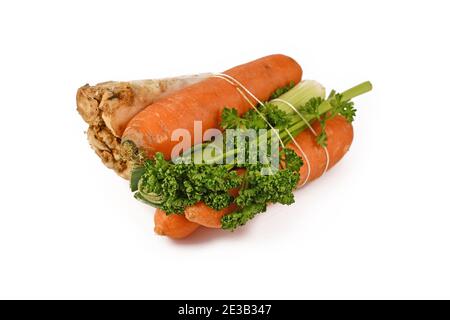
x=108 y=107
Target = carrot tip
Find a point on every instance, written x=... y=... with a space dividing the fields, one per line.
x=159 y=231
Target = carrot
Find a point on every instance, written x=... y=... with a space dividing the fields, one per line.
x=151 y=129
x=203 y=215
x=174 y=225
x=180 y=226
x=207 y=216
x=340 y=135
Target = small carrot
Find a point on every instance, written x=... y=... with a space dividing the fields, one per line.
x=150 y=130
x=207 y=216
x=174 y=225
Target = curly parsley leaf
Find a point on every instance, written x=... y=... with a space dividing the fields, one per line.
x=260 y=190
x=231 y=119
x=259 y=118
x=173 y=187
x=342 y=107
x=291 y=160
x=276 y=117
x=280 y=91
x=253 y=120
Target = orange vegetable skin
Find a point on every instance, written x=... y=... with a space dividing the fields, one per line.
x=203 y=215
x=340 y=137
x=174 y=225
x=208 y=217
x=151 y=129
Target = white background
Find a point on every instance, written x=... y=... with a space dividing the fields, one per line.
x=376 y=226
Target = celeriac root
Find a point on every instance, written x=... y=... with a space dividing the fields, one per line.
x=108 y=107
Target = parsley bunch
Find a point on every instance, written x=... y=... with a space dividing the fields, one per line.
x=259 y=190
x=173 y=187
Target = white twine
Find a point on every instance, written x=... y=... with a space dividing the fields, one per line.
x=308 y=165
x=298 y=146
x=239 y=85
x=236 y=83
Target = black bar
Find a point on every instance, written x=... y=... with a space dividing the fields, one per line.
x=245 y=309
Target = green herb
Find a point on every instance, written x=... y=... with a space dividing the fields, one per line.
x=173 y=187
x=282 y=90
x=255 y=119
x=291 y=160
x=276 y=117
x=311 y=108
x=258 y=190
x=231 y=119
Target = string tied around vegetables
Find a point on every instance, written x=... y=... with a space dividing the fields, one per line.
x=305 y=157
x=241 y=89
x=231 y=80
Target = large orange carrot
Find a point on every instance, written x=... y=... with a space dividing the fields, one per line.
x=340 y=136
x=151 y=129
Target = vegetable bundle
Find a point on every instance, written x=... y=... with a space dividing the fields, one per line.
x=276 y=134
